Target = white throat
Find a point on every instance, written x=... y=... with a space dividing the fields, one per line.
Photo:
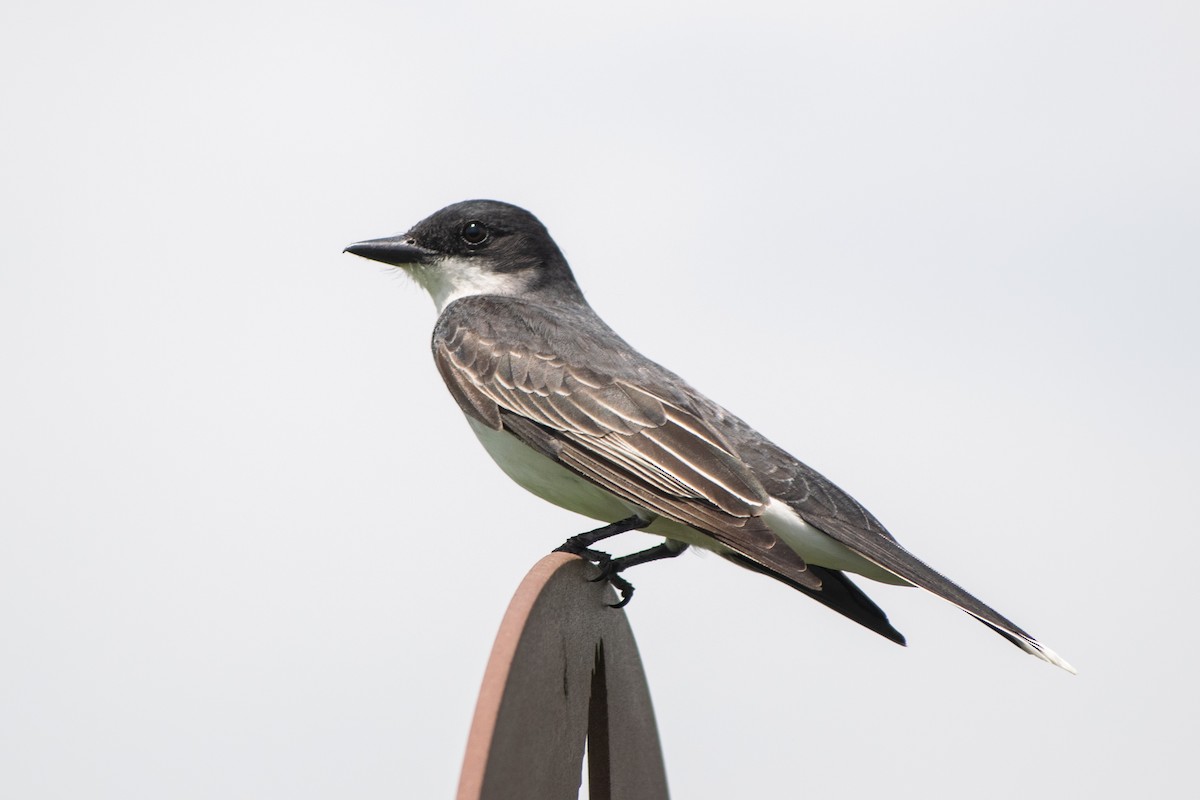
x=452 y=277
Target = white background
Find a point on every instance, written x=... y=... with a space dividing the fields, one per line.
x=945 y=252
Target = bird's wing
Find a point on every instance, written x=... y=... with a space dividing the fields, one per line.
x=839 y=593
x=825 y=506
x=637 y=443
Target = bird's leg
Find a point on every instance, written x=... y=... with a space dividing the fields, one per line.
x=611 y=568
x=581 y=545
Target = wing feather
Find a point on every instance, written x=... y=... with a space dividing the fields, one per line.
x=748 y=536
x=649 y=450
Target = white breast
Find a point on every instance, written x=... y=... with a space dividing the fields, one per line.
x=548 y=480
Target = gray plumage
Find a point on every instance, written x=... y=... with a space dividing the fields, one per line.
x=525 y=356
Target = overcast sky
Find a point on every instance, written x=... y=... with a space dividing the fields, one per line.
x=945 y=252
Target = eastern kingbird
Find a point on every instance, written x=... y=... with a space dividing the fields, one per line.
x=575 y=415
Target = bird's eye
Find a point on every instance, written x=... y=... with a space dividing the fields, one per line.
x=474 y=232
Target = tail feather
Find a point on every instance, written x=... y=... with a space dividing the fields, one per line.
x=891 y=556
x=1032 y=646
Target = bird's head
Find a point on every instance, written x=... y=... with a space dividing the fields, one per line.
x=478 y=247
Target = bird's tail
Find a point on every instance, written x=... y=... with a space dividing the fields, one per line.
x=889 y=555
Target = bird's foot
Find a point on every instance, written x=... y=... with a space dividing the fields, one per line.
x=581 y=545
x=611 y=568
x=597 y=557
x=610 y=572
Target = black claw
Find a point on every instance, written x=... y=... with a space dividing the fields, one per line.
x=624 y=587
x=610 y=568
x=610 y=574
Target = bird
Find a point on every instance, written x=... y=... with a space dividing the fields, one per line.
x=574 y=414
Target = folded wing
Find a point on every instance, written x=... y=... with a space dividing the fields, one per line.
x=644 y=447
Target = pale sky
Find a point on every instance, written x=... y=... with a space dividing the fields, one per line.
x=945 y=252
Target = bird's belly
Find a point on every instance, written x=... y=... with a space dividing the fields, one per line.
x=556 y=484
x=552 y=482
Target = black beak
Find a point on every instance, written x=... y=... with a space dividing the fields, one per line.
x=395 y=250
